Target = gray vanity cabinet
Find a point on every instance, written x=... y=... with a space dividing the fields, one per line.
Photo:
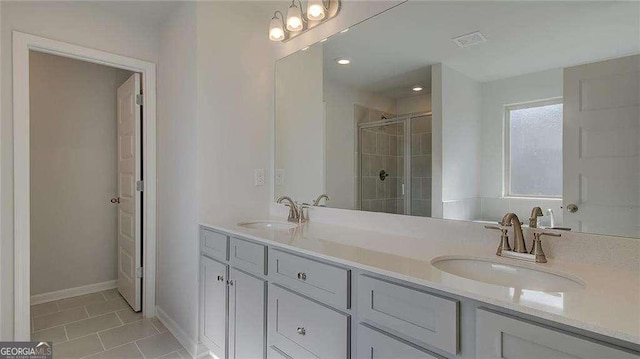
x=213 y=305
x=500 y=336
x=303 y=328
x=247 y=315
x=374 y=344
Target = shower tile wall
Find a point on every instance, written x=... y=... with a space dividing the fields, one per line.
x=421 y=166
x=381 y=149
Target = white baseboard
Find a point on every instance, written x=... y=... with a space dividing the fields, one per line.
x=192 y=346
x=72 y=292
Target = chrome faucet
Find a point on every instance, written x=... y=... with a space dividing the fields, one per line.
x=520 y=251
x=511 y=219
x=320 y=197
x=296 y=212
x=533 y=220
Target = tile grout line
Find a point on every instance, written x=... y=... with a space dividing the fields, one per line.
x=140 y=350
x=65 y=332
x=104 y=296
x=75 y=321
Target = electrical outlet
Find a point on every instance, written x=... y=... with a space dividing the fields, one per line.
x=279 y=177
x=259 y=177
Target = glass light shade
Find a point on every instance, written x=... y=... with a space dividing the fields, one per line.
x=315 y=10
x=276 y=32
x=294 y=18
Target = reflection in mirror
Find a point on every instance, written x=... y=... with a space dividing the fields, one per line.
x=470 y=110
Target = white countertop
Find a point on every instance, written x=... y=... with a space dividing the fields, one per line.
x=608 y=305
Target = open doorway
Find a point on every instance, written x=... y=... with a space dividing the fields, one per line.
x=84 y=171
x=85 y=146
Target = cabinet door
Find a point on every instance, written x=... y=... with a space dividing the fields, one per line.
x=213 y=305
x=499 y=336
x=247 y=316
x=373 y=344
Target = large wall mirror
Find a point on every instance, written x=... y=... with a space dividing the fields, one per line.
x=470 y=110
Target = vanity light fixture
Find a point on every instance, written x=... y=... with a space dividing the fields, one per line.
x=417 y=88
x=316 y=9
x=298 y=21
x=295 y=17
x=343 y=61
x=276 y=28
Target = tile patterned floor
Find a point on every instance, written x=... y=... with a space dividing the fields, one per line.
x=101 y=325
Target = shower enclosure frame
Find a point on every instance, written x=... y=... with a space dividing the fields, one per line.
x=405 y=120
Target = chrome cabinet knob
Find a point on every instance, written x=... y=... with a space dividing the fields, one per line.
x=302 y=276
x=115 y=200
x=301 y=331
x=220 y=278
x=230 y=282
x=572 y=208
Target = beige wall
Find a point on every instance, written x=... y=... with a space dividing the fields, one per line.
x=73 y=172
x=177 y=267
x=300 y=125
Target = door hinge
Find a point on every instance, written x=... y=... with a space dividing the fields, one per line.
x=139 y=100
x=139 y=186
x=139 y=272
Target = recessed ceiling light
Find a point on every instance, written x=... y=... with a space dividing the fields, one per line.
x=305 y=48
x=343 y=61
x=417 y=88
x=345 y=30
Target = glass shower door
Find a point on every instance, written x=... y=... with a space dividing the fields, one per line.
x=421 y=156
x=382 y=173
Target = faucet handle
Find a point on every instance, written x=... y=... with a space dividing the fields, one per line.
x=537 y=235
x=500 y=228
x=504 y=238
x=536 y=249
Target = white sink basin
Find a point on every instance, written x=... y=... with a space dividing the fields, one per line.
x=507 y=275
x=268 y=225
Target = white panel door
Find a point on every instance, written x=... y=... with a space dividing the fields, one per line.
x=129 y=169
x=602 y=147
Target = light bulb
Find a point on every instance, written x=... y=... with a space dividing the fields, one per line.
x=343 y=61
x=276 y=31
x=315 y=10
x=417 y=89
x=294 y=18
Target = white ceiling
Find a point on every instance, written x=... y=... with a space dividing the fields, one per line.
x=393 y=51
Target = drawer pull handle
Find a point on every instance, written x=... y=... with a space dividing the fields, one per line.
x=220 y=278
x=301 y=331
x=302 y=276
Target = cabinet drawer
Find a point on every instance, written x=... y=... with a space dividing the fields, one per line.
x=248 y=256
x=424 y=317
x=214 y=244
x=302 y=328
x=324 y=282
x=373 y=344
x=500 y=336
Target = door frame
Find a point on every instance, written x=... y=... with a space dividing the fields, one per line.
x=22 y=44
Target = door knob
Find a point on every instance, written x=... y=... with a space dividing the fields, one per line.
x=572 y=208
x=115 y=200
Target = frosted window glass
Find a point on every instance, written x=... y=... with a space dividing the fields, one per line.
x=536 y=151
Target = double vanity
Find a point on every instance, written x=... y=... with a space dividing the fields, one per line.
x=278 y=289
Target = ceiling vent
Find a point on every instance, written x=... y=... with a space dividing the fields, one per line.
x=471 y=39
